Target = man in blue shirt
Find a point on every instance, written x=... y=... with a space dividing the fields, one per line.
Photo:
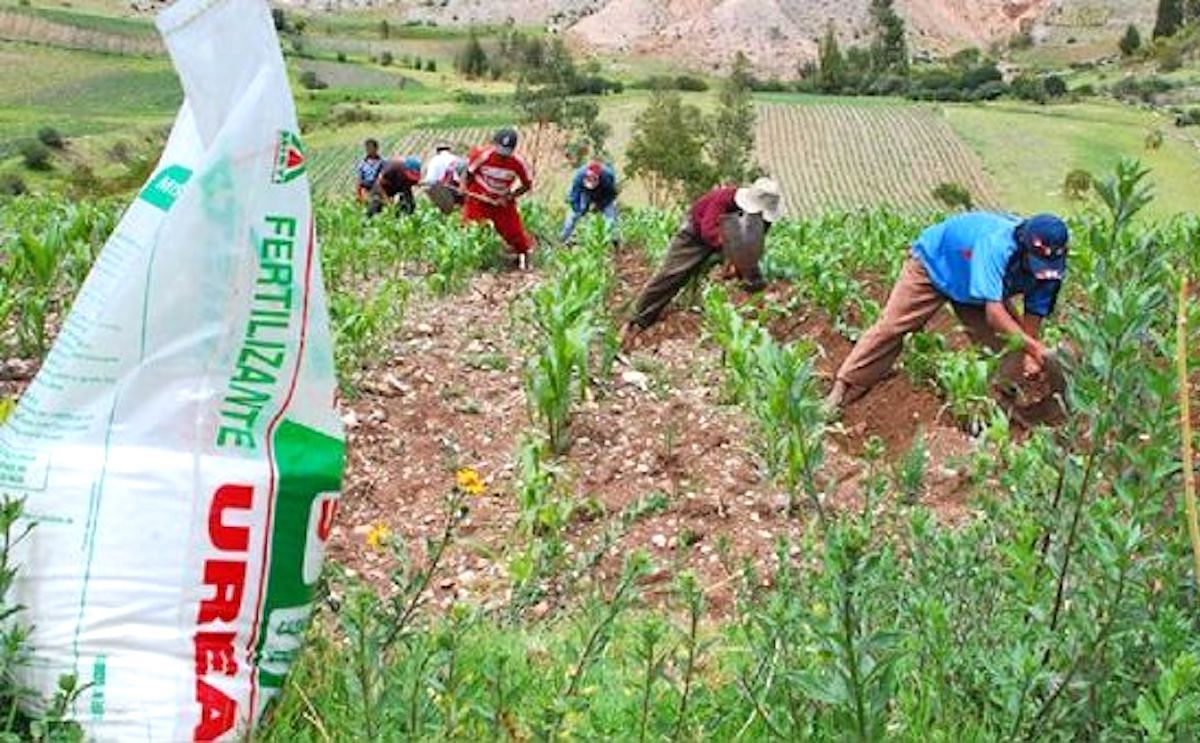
x=978 y=262
x=594 y=188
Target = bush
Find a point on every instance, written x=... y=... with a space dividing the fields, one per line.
x=1131 y=41
x=1077 y=184
x=1029 y=87
x=688 y=83
x=1154 y=140
x=1168 y=56
x=51 y=137
x=1190 y=117
x=12 y=184
x=35 y=155
x=1144 y=89
x=341 y=56
x=1087 y=91
x=352 y=115
x=431 y=65
x=685 y=83
x=989 y=91
x=954 y=196
x=386 y=59
x=310 y=81
x=1054 y=86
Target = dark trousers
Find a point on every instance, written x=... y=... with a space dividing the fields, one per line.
x=378 y=200
x=686 y=257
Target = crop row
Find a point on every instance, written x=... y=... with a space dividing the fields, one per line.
x=838 y=156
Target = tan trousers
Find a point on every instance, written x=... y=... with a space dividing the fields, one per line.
x=913 y=301
x=687 y=256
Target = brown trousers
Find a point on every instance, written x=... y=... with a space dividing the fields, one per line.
x=687 y=256
x=913 y=301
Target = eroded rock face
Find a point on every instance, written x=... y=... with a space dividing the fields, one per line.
x=777 y=35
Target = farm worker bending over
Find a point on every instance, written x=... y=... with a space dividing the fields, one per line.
x=594 y=188
x=367 y=170
x=492 y=171
x=700 y=238
x=977 y=262
x=395 y=185
x=442 y=167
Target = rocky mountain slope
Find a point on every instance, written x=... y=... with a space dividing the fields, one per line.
x=776 y=34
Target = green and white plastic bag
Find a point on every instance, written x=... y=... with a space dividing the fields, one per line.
x=179 y=451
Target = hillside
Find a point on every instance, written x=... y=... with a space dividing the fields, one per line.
x=777 y=34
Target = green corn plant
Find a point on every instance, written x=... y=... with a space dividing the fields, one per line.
x=36 y=266
x=787 y=406
x=963 y=377
x=910 y=470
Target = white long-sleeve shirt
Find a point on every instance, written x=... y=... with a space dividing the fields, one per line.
x=437 y=166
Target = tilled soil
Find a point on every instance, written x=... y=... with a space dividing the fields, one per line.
x=452 y=397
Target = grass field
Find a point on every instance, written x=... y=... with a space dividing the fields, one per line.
x=80 y=93
x=1028 y=150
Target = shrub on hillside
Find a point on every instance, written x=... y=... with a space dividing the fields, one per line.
x=1190 y=117
x=12 y=184
x=989 y=91
x=51 y=137
x=1131 y=41
x=685 y=83
x=1054 y=86
x=35 y=155
x=386 y=59
x=431 y=65
x=1144 y=89
x=954 y=196
x=1077 y=184
x=311 y=81
x=1029 y=87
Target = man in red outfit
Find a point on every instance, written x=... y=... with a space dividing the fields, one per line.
x=699 y=240
x=492 y=171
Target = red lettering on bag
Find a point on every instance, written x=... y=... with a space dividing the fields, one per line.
x=226 y=579
x=214 y=652
x=229 y=538
x=218 y=712
x=325 y=523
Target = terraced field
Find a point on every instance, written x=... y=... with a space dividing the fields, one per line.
x=841 y=156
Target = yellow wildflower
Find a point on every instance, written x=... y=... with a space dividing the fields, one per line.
x=378 y=536
x=470 y=482
x=7 y=405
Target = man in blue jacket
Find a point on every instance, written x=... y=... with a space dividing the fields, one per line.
x=594 y=188
x=977 y=262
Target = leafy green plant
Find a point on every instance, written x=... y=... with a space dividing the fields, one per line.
x=963 y=377
x=910 y=470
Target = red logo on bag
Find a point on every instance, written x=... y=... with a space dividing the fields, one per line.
x=290 y=159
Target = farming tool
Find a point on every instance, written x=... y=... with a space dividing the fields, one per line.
x=1033 y=401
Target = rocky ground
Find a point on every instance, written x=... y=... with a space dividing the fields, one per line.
x=658 y=430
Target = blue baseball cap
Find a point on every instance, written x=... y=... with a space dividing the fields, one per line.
x=1044 y=239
